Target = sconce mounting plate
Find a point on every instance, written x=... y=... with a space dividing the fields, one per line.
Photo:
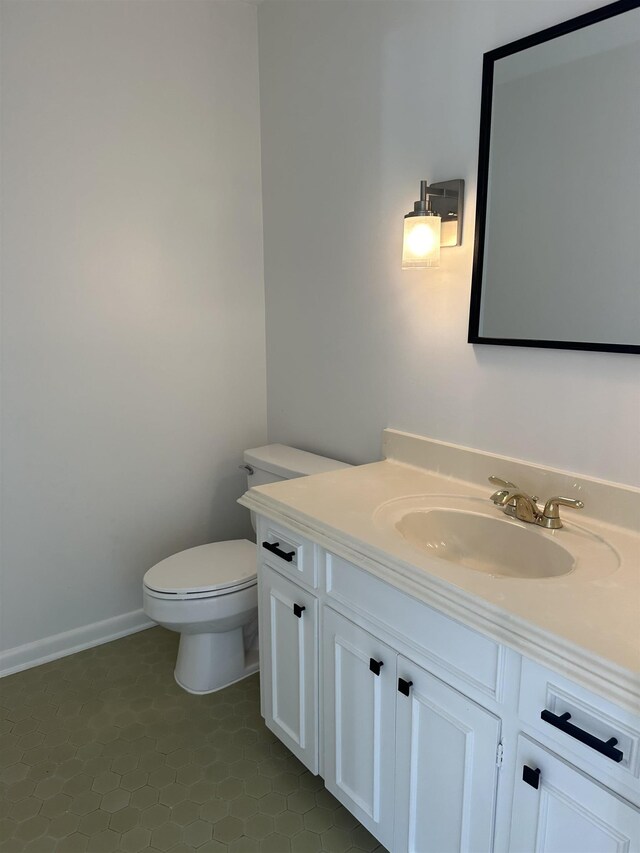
x=450 y=209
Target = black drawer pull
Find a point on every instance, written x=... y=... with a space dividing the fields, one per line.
x=404 y=686
x=531 y=776
x=604 y=747
x=284 y=555
x=374 y=666
x=297 y=610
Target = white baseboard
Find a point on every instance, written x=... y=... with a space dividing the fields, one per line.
x=60 y=645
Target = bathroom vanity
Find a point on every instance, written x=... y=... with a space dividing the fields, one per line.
x=450 y=704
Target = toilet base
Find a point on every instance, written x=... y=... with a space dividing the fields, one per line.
x=208 y=662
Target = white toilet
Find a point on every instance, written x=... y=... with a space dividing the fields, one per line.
x=209 y=594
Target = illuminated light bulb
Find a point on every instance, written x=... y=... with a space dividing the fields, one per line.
x=421 y=245
x=421 y=240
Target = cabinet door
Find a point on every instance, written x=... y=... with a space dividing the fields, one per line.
x=446 y=773
x=567 y=812
x=289 y=664
x=359 y=723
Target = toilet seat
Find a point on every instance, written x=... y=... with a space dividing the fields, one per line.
x=205 y=571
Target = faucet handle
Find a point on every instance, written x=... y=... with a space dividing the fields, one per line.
x=498 y=481
x=551 y=513
x=505 y=488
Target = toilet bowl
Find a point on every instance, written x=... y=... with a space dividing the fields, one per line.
x=209 y=594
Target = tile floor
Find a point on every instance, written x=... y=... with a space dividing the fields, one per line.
x=101 y=751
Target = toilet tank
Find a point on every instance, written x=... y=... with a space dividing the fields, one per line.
x=275 y=462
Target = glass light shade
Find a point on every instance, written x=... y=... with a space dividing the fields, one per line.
x=421 y=244
x=449 y=233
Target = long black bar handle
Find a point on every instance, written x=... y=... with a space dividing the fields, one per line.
x=284 y=555
x=404 y=687
x=604 y=747
x=297 y=610
x=374 y=666
x=531 y=776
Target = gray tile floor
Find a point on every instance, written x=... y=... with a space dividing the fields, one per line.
x=102 y=751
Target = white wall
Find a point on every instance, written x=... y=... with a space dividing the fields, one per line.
x=359 y=101
x=133 y=323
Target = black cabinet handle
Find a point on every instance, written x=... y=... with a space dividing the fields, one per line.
x=297 y=609
x=604 y=747
x=284 y=555
x=374 y=666
x=404 y=686
x=531 y=776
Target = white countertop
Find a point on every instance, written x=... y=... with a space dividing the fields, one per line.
x=587 y=630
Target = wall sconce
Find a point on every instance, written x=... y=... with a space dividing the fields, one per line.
x=435 y=221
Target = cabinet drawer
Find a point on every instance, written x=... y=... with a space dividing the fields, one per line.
x=545 y=700
x=289 y=553
x=475 y=659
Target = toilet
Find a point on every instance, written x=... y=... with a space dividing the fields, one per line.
x=208 y=594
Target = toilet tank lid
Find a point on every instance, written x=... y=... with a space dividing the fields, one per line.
x=289 y=461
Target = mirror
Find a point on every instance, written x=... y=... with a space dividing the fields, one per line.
x=557 y=251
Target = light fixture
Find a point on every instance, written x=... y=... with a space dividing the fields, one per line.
x=435 y=221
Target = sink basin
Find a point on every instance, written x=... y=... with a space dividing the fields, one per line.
x=471 y=533
x=485 y=544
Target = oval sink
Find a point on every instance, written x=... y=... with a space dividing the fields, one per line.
x=485 y=544
x=468 y=532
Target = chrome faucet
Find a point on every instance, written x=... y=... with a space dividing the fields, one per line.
x=520 y=505
x=524 y=507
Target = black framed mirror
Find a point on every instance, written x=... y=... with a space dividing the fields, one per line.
x=557 y=242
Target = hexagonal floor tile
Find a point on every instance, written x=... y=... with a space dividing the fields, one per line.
x=155 y=816
x=106 y=841
x=272 y=804
x=257 y=786
x=105 y=782
x=289 y=824
x=306 y=842
x=337 y=840
x=115 y=800
x=166 y=836
x=101 y=752
x=135 y=840
x=134 y=779
x=144 y=797
x=318 y=819
x=228 y=829
x=172 y=794
x=197 y=833
x=259 y=826
x=94 y=822
x=275 y=843
x=244 y=806
x=125 y=819
x=244 y=845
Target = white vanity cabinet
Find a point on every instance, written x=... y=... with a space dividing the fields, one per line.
x=424 y=727
x=558 y=809
x=413 y=759
x=570 y=793
x=446 y=766
x=359 y=722
x=289 y=664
